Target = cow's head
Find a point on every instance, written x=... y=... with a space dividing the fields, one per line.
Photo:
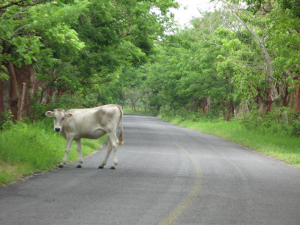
x=59 y=115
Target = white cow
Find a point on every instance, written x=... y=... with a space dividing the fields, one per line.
x=93 y=123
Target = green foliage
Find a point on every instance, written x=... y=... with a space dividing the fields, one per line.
x=81 y=45
x=6 y=121
x=184 y=115
x=30 y=148
x=276 y=122
x=66 y=101
x=181 y=78
x=38 y=149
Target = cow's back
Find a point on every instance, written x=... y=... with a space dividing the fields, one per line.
x=93 y=122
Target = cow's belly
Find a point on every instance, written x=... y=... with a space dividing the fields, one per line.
x=92 y=134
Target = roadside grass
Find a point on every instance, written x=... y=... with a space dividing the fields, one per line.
x=128 y=110
x=280 y=146
x=28 y=149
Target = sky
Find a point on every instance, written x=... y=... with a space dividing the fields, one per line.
x=184 y=16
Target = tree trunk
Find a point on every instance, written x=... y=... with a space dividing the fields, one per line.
x=22 y=101
x=292 y=100
x=6 y=95
x=285 y=100
x=2 y=96
x=259 y=102
x=245 y=108
x=209 y=101
x=42 y=93
x=23 y=75
x=275 y=94
x=203 y=105
x=13 y=91
x=269 y=106
x=49 y=93
x=55 y=95
x=297 y=97
x=268 y=101
x=35 y=85
x=229 y=111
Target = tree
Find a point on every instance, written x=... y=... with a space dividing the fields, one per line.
x=25 y=28
x=75 y=46
x=274 y=26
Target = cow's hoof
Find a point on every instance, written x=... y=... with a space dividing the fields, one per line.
x=79 y=166
x=112 y=168
x=100 y=167
x=60 y=166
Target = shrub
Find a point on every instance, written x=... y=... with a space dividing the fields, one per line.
x=280 y=121
x=296 y=129
x=6 y=120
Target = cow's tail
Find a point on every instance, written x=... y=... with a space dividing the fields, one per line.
x=121 y=136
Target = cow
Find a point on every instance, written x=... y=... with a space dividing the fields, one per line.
x=90 y=123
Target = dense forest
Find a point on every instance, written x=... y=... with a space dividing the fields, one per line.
x=241 y=57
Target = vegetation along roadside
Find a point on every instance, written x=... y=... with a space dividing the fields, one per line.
x=279 y=141
x=26 y=149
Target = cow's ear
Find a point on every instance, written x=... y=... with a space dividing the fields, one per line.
x=69 y=115
x=49 y=113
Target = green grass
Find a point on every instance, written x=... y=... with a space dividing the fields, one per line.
x=130 y=111
x=28 y=149
x=278 y=146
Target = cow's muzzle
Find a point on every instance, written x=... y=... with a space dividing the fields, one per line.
x=57 y=129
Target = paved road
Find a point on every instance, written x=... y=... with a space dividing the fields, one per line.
x=166 y=175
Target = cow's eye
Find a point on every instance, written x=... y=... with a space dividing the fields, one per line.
x=63 y=118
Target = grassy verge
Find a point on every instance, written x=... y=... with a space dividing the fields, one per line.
x=130 y=111
x=28 y=149
x=278 y=146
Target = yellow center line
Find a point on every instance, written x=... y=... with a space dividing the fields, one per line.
x=190 y=197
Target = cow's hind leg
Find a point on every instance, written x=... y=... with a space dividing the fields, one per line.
x=78 y=147
x=109 y=148
x=67 y=150
x=114 y=144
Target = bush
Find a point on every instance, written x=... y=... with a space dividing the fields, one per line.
x=31 y=148
x=66 y=101
x=183 y=114
x=6 y=120
x=296 y=129
x=280 y=121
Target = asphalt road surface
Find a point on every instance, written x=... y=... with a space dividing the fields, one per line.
x=166 y=175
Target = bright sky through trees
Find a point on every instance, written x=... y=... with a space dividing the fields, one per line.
x=190 y=8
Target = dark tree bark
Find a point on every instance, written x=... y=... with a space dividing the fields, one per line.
x=203 y=105
x=1 y=96
x=35 y=85
x=285 y=100
x=292 y=100
x=230 y=108
x=49 y=93
x=297 y=97
x=13 y=91
x=23 y=75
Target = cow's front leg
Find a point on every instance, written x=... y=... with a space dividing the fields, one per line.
x=78 y=147
x=106 y=156
x=67 y=150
